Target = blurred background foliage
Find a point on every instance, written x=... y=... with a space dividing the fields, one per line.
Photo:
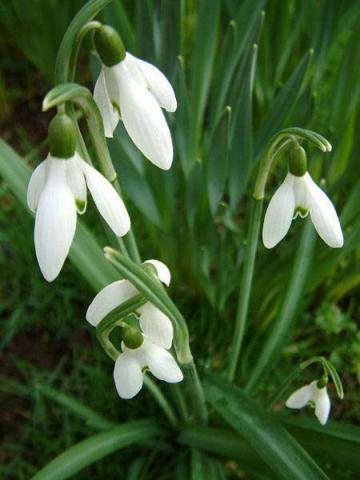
x=242 y=70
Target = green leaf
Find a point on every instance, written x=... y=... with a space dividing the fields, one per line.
x=204 y=49
x=335 y=444
x=85 y=252
x=217 y=162
x=282 y=105
x=278 y=449
x=241 y=151
x=277 y=337
x=96 y=447
x=91 y=417
x=145 y=30
x=171 y=15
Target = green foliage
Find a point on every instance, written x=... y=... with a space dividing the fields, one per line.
x=242 y=71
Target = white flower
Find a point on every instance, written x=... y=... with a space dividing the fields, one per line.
x=311 y=394
x=56 y=191
x=138 y=91
x=299 y=196
x=157 y=332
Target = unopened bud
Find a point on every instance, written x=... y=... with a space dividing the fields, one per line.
x=298 y=161
x=109 y=46
x=62 y=136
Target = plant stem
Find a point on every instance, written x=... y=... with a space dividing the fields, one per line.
x=245 y=285
x=161 y=400
x=279 y=333
x=196 y=391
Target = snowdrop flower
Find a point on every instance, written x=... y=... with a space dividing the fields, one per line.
x=311 y=395
x=156 y=337
x=297 y=196
x=56 y=192
x=135 y=91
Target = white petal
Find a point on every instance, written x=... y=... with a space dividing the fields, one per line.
x=324 y=216
x=162 y=271
x=279 y=214
x=107 y=201
x=322 y=408
x=55 y=221
x=109 y=298
x=161 y=363
x=302 y=396
x=36 y=185
x=76 y=181
x=158 y=85
x=143 y=119
x=156 y=326
x=300 y=192
x=128 y=376
x=109 y=114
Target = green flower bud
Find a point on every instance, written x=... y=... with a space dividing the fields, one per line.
x=109 y=46
x=323 y=381
x=132 y=337
x=62 y=136
x=298 y=161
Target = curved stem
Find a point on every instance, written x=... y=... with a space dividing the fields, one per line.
x=161 y=400
x=245 y=285
x=71 y=42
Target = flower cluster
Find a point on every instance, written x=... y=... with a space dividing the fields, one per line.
x=156 y=336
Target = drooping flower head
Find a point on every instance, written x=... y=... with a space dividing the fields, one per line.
x=134 y=91
x=57 y=191
x=297 y=196
x=156 y=335
x=314 y=396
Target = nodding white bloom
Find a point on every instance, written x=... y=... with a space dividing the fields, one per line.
x=299 y=196
x=56 y=191
x=136 y=92
x=157 y=332
x=311 y=395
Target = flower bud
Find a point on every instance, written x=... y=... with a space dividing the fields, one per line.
x=62 y=136
x=109 y=46
x=132 y=337
x=298 y=161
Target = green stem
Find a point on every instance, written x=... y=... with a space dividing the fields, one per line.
x=161 y=400
x=280 y=331
x=71 y=41
x=196 y=392
x=245 y=285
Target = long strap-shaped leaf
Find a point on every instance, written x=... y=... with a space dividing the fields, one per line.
x=96 y=447
x=278 y=449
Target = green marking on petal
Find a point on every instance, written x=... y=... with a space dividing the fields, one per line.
x=80 y=206
x=301 y=212
x=116 y=107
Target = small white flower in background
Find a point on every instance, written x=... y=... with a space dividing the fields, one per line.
x=56 y=191
x=299 y=195
x=311 y=395
x=157 y=332
x=137 y=91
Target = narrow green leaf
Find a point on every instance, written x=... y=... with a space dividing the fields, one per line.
x=282 y=105
x=96 y=447
x=171 y=15
x=182 y=124
x=91 y=417
x=276 y=338
x=85 y=252
x=241 y=151
x=115 y=14
x=202 y=62
x=278 y=449
x=217 y=162
x=145 y=29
